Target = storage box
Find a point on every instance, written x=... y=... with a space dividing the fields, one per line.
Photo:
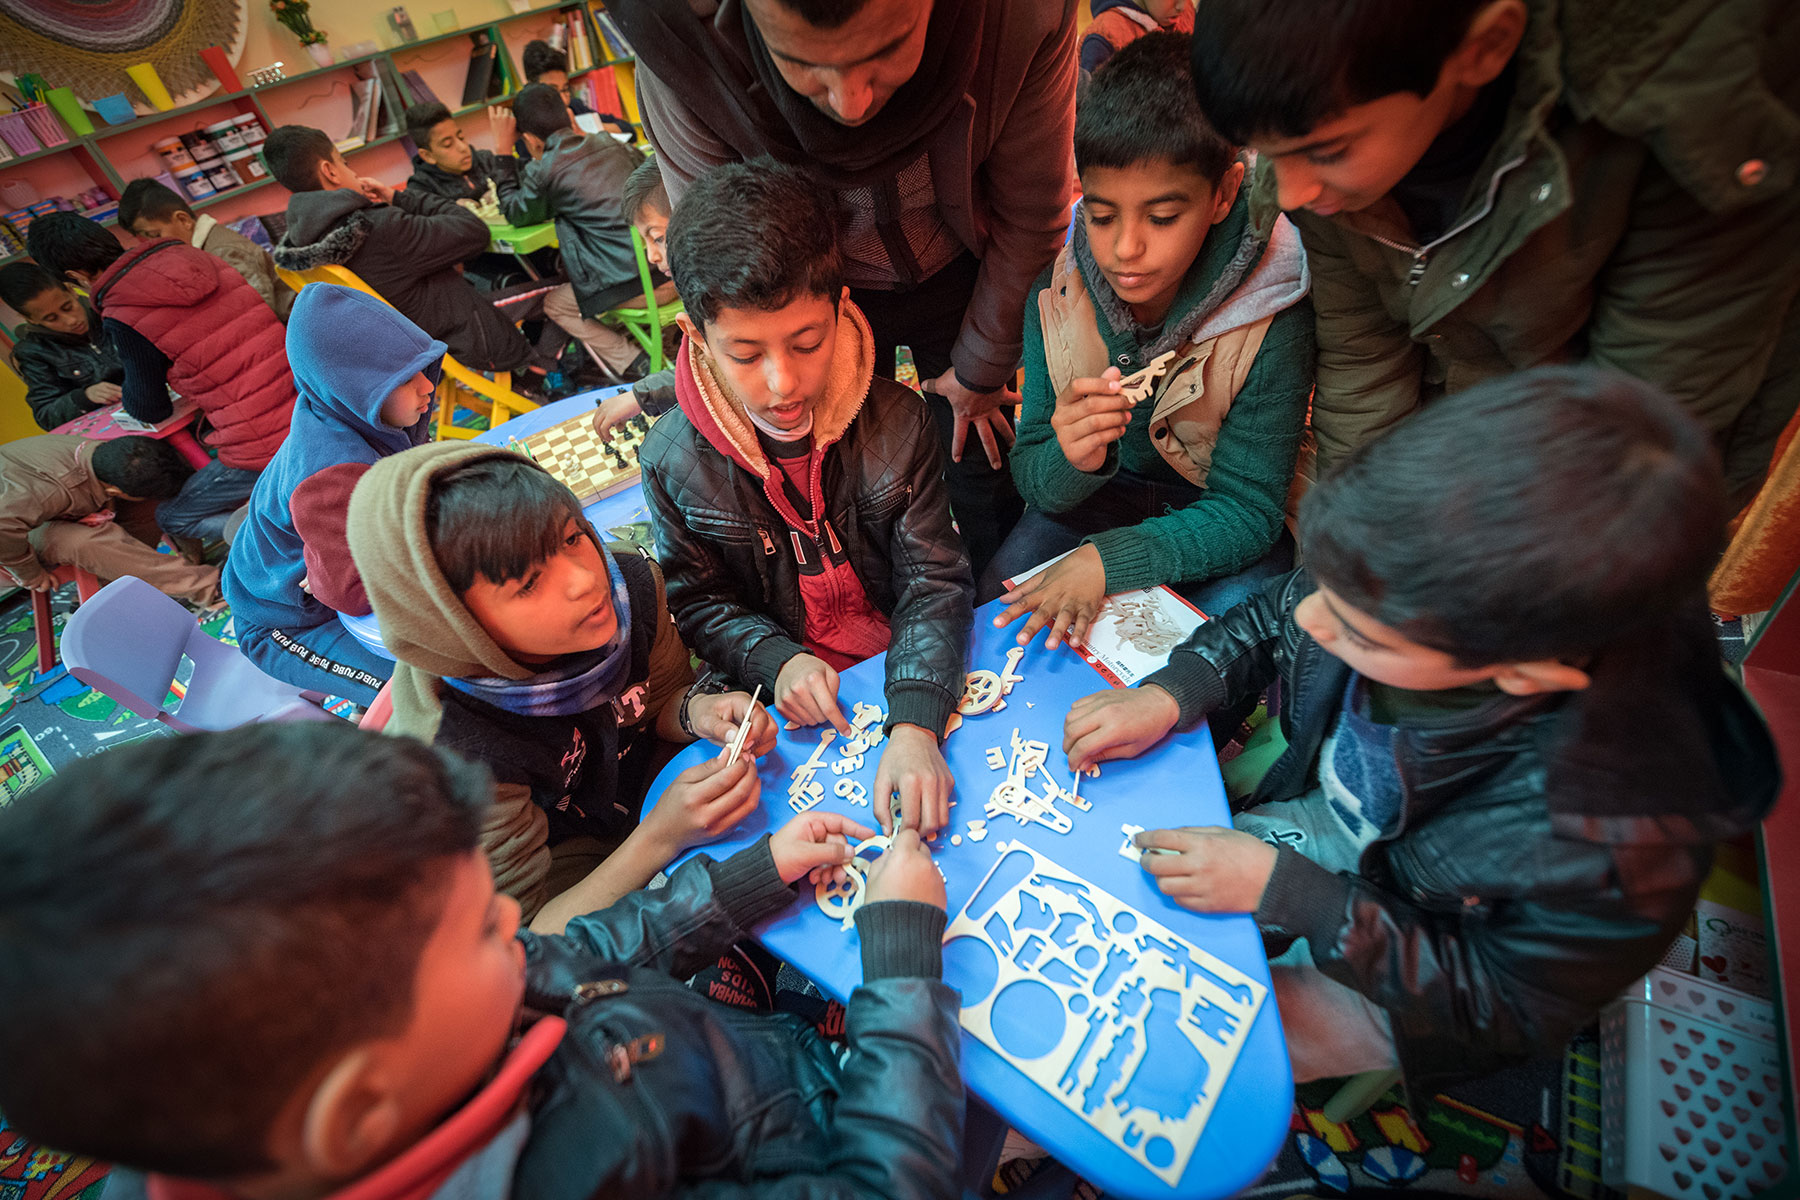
x=1690 y=1109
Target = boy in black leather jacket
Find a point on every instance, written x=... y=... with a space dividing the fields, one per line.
x=799 y=506
x=306 y=983
x=63 y=352
x=1511 y=746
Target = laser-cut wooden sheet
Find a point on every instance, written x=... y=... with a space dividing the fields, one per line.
x=1122 y=1021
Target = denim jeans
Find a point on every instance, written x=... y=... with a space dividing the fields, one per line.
x=322 y=658
x=1124 y=500
x=206 y=502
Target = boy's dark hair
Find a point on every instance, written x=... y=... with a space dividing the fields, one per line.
x=539 y=57
x=468 y=542
x=1541 y=515
x=1280 y=67
x=753 y=235
x=824 y=14
x=144 y=468
x=190 y=927
x=1140 y=109
x=644 y=189
x=421 y=119
x=293 y=154
x=64 y=241
x=148 y=198
x=23 y=282
x=539 y=110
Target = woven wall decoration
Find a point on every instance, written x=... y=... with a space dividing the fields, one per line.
x=87 y=44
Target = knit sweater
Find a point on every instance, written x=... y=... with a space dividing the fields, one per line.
x=1234 y=520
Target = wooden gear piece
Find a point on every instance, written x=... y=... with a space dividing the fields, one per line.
x=838 y=897
x=981 y=692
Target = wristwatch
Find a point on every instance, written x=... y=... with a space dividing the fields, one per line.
x=713 y=686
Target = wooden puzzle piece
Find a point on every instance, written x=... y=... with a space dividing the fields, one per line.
x=1130 y=848
x=1009 y=675
x=844 y=766
x=981 y=692
x=996 y=758
x=853 y=791
x=1138 y=385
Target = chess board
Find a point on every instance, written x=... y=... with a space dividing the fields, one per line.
x=590 y=466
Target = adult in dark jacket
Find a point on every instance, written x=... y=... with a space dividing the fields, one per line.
x=944 y=132
x=62 y=352
x=405 y=244
x=181 y=318
x=578 y=179
x=439 y=1057
x=1510 y=744
x=797 y=499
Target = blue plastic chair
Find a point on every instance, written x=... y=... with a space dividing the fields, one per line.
x=128 y=641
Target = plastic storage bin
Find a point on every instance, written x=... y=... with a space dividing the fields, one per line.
x=1691 y=1109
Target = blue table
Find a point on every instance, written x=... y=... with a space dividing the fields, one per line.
x=623 y=507
x=1176 y=784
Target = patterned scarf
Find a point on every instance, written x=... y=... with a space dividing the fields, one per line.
x=581 y=682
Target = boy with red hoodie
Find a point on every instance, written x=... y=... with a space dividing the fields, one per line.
x=798 y=501
x=180 y=318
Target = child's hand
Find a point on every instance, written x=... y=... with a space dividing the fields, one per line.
x=703 y=803
x=906 y=872
x=1066 y=595
x=615 y=412
x=914 y=766
x=1090 y=415
x=814 y=841
x=103 y=393
x=806 y=690
x=504 y=128
x=1208 y=869
x=716 y=718
x=375 y=190
x=1117 y=723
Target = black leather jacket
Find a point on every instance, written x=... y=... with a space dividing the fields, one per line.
x=736 y=1103
x=580 y=183
x=1549 y=847
x=58 y=369
x=733 y=585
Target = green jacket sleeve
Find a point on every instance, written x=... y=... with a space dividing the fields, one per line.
x=1369 y=368
x=1238 y=517
x=1044 y=476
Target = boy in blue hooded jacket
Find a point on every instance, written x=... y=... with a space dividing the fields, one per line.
x=366 y=377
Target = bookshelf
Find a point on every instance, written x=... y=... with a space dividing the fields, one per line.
x=113 y=155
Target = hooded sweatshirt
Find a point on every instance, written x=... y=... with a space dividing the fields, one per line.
x=408 y=252
x=349 y=352
x=557 y=774
x=1244 y=457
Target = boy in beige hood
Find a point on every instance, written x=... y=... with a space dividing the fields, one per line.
x=525 y=645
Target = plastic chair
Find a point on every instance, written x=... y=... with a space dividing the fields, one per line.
x=43 y=621
x=128 y=642
x=492 y=398
x=645 y=323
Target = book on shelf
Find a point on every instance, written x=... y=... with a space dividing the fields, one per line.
x=616 y=45
x=478 y=83
x=604 y=91
x=365 y=101
x=580 y=51
x=393 y=98
x=419 y=90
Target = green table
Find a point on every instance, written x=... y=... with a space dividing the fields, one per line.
x=522 y=239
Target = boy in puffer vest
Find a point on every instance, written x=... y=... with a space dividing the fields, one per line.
x=180 y=318
x=272 y=962
x=1165 y=265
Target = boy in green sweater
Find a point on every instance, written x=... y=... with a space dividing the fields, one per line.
x=1164 y=269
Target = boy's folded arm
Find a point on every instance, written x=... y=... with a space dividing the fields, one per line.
x=1369 y=368
x=433 y=231
x=1238 y=518
x=1232 y=655
x=934 y=593
x=146 y=387
x=52 y=399
x=680 y=928
x=1517 y=978
x=523 y=199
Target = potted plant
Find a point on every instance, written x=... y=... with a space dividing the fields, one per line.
x=293 y=14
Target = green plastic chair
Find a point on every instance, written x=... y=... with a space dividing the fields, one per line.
x=645 y=324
